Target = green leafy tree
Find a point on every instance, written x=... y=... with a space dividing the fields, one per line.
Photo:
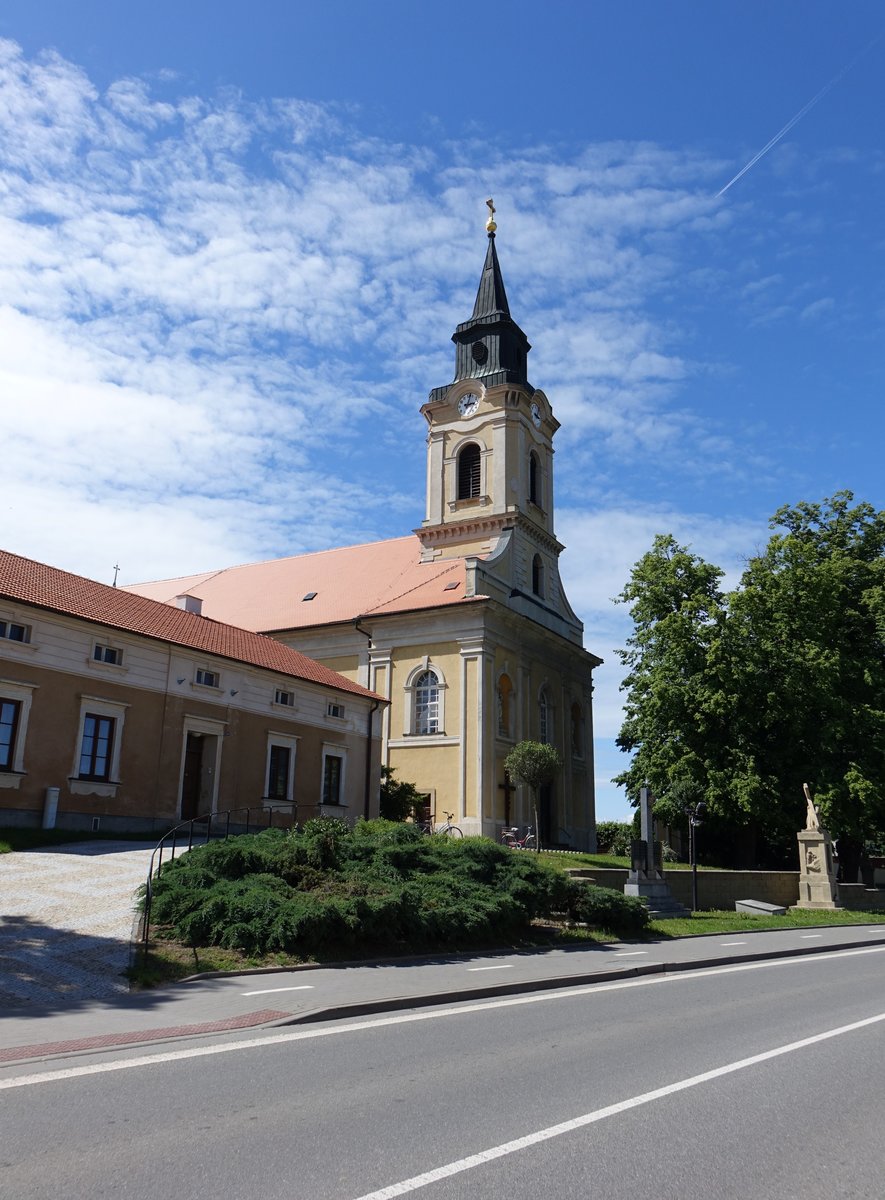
x=534 y=764
x=804 y=664
x=399 y=800
x=739 y=699
x=678 y=613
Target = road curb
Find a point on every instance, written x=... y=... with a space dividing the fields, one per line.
x=42 y=1051
x=558 y=983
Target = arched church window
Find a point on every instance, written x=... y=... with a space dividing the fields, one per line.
x=534 y=479
x=577 y=731
x=537 y=575
x=545 y=718
x=468 y=472
x=426 y=689
x=505 y=698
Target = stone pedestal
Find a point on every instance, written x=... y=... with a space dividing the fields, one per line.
x=817 y=875
x=645 y=878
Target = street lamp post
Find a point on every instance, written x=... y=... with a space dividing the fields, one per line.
x=696 y=814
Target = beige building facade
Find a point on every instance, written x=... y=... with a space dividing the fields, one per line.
x=119 y=713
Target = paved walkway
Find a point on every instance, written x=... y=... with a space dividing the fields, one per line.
x=66 y=918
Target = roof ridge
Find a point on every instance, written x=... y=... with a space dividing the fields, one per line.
x=262 y=562
x=57 y=590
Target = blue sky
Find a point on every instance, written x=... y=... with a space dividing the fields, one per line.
x=235 y=241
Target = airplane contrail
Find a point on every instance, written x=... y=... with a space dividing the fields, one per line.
x=799 y=115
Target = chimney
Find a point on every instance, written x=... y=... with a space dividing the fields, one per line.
x=191 y=604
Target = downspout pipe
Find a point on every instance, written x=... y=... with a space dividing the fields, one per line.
x=375 y=705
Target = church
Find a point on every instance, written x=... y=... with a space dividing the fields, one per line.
x=463 y=625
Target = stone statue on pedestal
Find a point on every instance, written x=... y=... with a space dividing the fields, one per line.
x=817 y=872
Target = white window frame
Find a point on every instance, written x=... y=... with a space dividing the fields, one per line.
x=289 y=742
x=287 y=704
x=212 y=687
x=410 y=709
x=331 y=750
x=7 y=621
x=102 y=663
x=96 y=706
x=13 y=689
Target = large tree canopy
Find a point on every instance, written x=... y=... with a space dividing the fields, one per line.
x=738 y=699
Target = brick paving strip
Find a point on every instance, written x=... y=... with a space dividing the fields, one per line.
x=103 y=1041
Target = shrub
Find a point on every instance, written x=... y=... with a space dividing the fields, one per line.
x=378 y=886
x=606 y=909
x=614 y=837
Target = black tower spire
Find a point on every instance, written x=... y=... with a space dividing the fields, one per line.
x=490 y=346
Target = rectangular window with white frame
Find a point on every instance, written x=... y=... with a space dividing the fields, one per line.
x=9 y=718
x=96 y=747
x=111 y=656
x=280 y=770
x=15 y=631
x=284 y=698
x=333 y=776
x=15 y=709
x=206 y=678
x=96 y=769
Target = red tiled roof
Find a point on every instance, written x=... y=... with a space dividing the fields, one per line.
x=31 y=582
x=351 y=582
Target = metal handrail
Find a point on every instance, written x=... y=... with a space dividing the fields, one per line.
x=189 y=825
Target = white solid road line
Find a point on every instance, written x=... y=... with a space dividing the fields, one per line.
x=301 y=987
x=810 y=935
x=433 y=1014
x=600 y=1114
x=496 y=967
x=732 y=943
x=628 y=953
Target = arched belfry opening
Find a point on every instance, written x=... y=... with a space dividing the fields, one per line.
x=534 y=479
x=469 y=472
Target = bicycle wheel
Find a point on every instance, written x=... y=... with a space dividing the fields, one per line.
x=453 y=831
x=530 y=842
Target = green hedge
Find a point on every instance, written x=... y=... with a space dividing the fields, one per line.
x=381 y=886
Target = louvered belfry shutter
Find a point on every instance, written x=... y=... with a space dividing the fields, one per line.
x=468 y=473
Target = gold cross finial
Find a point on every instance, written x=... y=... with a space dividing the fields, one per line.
x=490 y=223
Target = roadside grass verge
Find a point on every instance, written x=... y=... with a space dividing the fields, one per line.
x=168 y=960
x=724 y=921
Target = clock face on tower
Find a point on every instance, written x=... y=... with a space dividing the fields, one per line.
x=536 y=416
x=468 y=404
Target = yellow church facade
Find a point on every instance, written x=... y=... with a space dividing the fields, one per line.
x=463 y=626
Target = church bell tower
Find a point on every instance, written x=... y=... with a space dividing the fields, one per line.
x=490 y=461
x=490 y=437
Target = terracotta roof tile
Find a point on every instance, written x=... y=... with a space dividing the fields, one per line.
x=31 y=582
x=353 y=581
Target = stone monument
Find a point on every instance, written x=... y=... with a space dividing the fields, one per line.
x=645 y=877
x=817 y=872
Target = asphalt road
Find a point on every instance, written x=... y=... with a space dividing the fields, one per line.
x=618 y=1089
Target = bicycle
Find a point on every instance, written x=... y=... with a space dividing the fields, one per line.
x=446 y=830
x=511 y=838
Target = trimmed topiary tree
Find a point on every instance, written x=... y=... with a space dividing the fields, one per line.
x=534 y=764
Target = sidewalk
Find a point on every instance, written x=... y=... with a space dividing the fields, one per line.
x=214 y=1005
x=65 y=939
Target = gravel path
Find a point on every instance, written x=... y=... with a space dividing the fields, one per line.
x=66 y=920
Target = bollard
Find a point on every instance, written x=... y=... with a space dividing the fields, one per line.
x=50 y=807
